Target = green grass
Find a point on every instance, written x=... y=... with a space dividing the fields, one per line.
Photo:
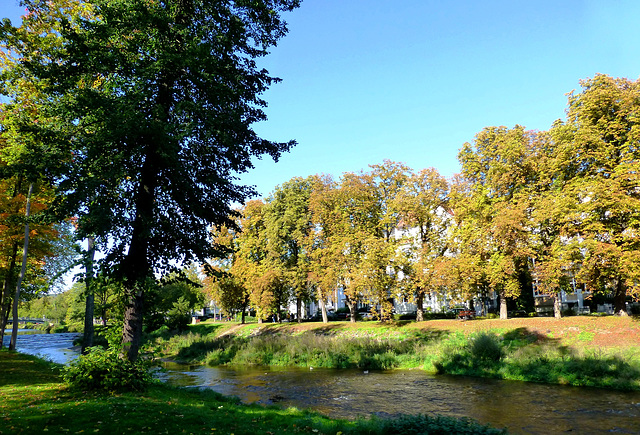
x=34 y=400
x=514 y=354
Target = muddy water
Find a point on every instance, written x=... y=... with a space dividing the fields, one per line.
x=523 y=408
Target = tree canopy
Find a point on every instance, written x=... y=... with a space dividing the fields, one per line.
x=154 y=104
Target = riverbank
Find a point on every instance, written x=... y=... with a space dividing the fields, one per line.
x=581 y=351
x=35 y=401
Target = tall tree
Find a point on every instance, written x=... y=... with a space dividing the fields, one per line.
x=288 y=226
x=384 y=259
x=423 y=207
x=224 y=282
x=253 y=266
x=162 y=96
x=323 y=273
x=556 y=256
x=492 y=213
x=599 y=159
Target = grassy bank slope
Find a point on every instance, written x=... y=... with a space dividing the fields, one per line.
x=34 y=401
x=581 y=351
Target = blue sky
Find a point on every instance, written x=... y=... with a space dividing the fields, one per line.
x=413 y=80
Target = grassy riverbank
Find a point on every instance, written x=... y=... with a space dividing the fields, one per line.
x=581 y=351
x=34 y=400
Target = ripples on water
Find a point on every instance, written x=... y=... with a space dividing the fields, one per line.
x=521 y=407
x=53 y=347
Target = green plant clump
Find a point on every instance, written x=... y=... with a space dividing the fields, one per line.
x=104 y=369
x=486 y=347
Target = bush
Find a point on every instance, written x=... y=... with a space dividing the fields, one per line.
x=436 y=424
x=486 y=347
x=104 y=370
x=178 y=316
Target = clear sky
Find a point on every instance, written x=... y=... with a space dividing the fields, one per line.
x=413 y=80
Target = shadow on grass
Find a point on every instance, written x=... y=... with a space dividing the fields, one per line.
x=430 y=335
x=205 y=328
x=530 y=356
x=330 y=329
x=522 y=337
x=19 y=369
x=198 y=348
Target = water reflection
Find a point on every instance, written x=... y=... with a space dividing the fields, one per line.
x=521 y=407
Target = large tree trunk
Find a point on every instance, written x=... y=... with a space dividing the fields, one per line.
x=557 y=308
x=323 y=310
x=25 y=251
x=132 y=330
x=503 y=306
x=299 y=309
x=420 y=306
x=136 y=268
x=87 y=340
x=620 y=299
x=352 y=308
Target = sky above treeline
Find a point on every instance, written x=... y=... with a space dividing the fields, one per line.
x=413 y=80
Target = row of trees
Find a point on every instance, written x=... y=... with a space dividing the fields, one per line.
x=544 y=207
x=136 y=116
x=169 y=303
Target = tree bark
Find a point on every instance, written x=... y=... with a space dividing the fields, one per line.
x=503 y=306
x=299 y=309
x=420 y=306
x=25 y=251
x=557 y=309
x=132 y=330
x=352 y=309
x=323 y=310
x=5 y=302
x=620 y=299
x=87 y=340
x=136 y=267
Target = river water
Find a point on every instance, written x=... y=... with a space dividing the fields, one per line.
x=523 y=408
x=54 y=347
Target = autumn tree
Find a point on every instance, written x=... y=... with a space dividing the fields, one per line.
x=491 y=209
x=383 y=259
x=323 y=273
x=253 y=266
x=224 y=283
x=288 y=227
x=339 y=214
x=163 y=96
x=598 y=160
x=422 y=205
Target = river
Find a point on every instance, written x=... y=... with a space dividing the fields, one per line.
x=54 y=347
x=523 y=408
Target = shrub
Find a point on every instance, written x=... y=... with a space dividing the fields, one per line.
x=486 y=347
x=436 y=424
x=104 y=370
x=178 y=316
